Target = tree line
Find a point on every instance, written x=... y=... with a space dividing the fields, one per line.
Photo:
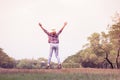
x=9 y=62
x=102 y=49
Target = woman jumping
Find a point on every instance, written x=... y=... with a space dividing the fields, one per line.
x=53 y=40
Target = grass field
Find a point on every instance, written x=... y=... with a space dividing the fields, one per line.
x=60 y=74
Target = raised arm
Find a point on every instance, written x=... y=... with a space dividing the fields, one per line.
x=43 y=29
x=65 y=23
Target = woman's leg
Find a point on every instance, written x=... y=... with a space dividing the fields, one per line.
x=50 y=54
x=57 y=54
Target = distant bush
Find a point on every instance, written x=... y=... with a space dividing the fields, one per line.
x=71 y=65
x=40 y=63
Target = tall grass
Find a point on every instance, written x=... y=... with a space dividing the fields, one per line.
x=60 y=75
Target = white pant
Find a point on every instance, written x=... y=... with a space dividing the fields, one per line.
x=54 y=47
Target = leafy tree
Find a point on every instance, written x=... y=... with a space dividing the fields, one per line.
x=95 y=53
x=102 y=50
x=106 y=47
x=5 y=60
x=114 y=33
x=25 y=64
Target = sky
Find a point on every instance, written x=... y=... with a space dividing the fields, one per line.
x=21 y=37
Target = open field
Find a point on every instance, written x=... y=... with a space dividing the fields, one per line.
x=60 y=74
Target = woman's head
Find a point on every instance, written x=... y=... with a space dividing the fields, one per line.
x=53 y=31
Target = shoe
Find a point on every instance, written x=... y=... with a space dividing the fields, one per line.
x=47 y=67
x=59 y=66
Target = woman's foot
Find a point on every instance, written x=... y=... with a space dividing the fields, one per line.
x=48 y=66
x=59 y=66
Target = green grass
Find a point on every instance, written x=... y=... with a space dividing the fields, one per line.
x=58 y=76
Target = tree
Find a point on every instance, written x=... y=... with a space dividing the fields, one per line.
x=94 y=40
x=5 y=60
x=100 y=45
x=114 y=33
x=106 y=47
x=101 y=49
